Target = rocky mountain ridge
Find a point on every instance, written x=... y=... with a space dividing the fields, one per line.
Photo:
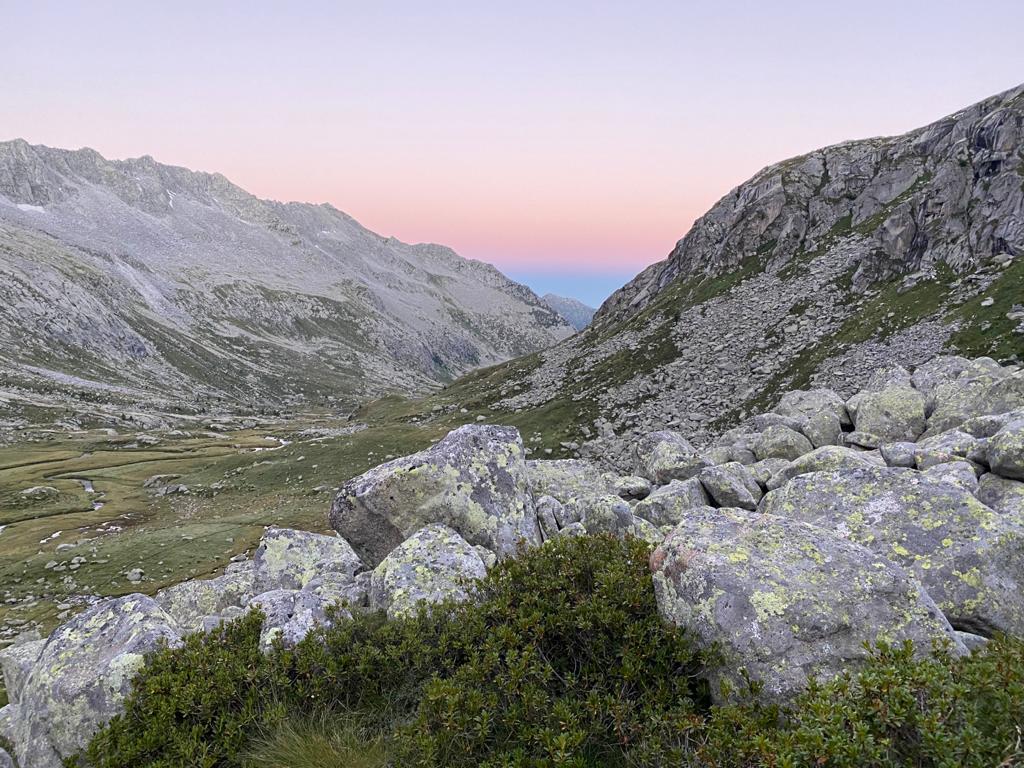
x=573 y=311
x=815 y=272
x=141 y=283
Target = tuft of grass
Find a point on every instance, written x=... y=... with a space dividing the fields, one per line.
x=317 y=742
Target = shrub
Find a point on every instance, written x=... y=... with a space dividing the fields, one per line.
x=897 y=711
x=560 y=662
x=566 y=663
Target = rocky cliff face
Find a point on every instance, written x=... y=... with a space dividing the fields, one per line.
x=145 y=282
x=815 y=272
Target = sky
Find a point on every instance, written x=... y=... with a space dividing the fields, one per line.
x=571 y=144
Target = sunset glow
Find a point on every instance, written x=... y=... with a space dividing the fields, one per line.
x=578 y=139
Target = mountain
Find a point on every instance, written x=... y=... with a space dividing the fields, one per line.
x=574 y=312
x=815 y=272
x=135 y=281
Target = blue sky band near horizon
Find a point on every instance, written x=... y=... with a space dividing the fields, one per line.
x=570 y=144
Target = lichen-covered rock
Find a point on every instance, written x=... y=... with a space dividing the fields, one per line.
x=984 y=390
x=945 y=447
x=859 y=438
x=432 y=565
x=631 y=487
x=549 y=511
x=16 y=661
x=604 y=514
x=781 y=442
x=959 y=473
x=822 y=429
x=826 y=458
x=665 y=456
x=337 y=588
x=474 y=481
x=887 y=376
x=785 y=600
x=641 y=529
x=939 y=370
x=667 y=504
x=808 y=403
x=762 y=471
x=731 y=485
x=1006 y=451
x=892 y=414
x=1002 y=494
x=969 y=558
x=567 y=479
x=6 y=761
x=899 y=454
x=190 y=602
x=288 y=559
x=83 y=675
x=291 y=614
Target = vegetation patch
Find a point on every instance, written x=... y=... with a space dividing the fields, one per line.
x=561 y=660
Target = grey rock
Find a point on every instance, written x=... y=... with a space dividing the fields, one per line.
x=824 y=459
x=893 y=414
x=668 y=504
x=899 y=454
x=191 y=601
x=731 y=485
x=474 y=481
x=291 y=614
x=16 y=662
x=781 y=442
x=632 y=487
x=665 y=456
x=807 y=404
x=83 y=675
x=867 y=440
x=785 y=600
x=604 y=514
x=959 y=473
x=567 y=479
x=1003 y=495
x=288 y=559
x=969 y=558
x=823 y=428
x=1006 y=450
x=432 y=565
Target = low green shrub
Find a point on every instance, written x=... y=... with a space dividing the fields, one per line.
x=560 y=662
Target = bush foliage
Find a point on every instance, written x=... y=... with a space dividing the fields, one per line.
x=561 y=661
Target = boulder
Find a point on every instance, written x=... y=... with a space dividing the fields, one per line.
x=731 y=485
x=631 y=487
x=899 y=454
x=762 y=471
x=892 y=414
x=1006 y=451
x=6 y=761
x=288 y=559
x=668 y=504
x=190 y=602
x=809 y=403
x=432 y=565
x=938 y=370
x=339 y=589
x=861 y=439
x=1003 y=495
x=826 y=458
x=960 y=473
x=549 y=511
x=665 y=456
x=886 y=377
x=823 y=428
x=969 y=558
x=291 y=614
x=83 y=675
x=567 y=479
x=784 y=600
x=16 y=661
x=781 y=442
x=604 y=514
x=474 y=481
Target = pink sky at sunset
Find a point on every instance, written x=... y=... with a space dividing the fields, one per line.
x=556 y=142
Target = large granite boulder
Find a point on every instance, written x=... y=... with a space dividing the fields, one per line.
x=83 y=675
x=432 y=565
x=785 y=600
x=827 y=457
x=805 y=404
x=969 y=558
x=781 y=442
x=16 y=662
x=731 y=485
x=567 y=479
x=604 y=514
x=288 y=559
x=668 y=504
x=191 y=602
x=291 y=614
x=665 y=456
x=892 y=414
x=1003 y=495
x=1006 y=451
x=475 y=481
